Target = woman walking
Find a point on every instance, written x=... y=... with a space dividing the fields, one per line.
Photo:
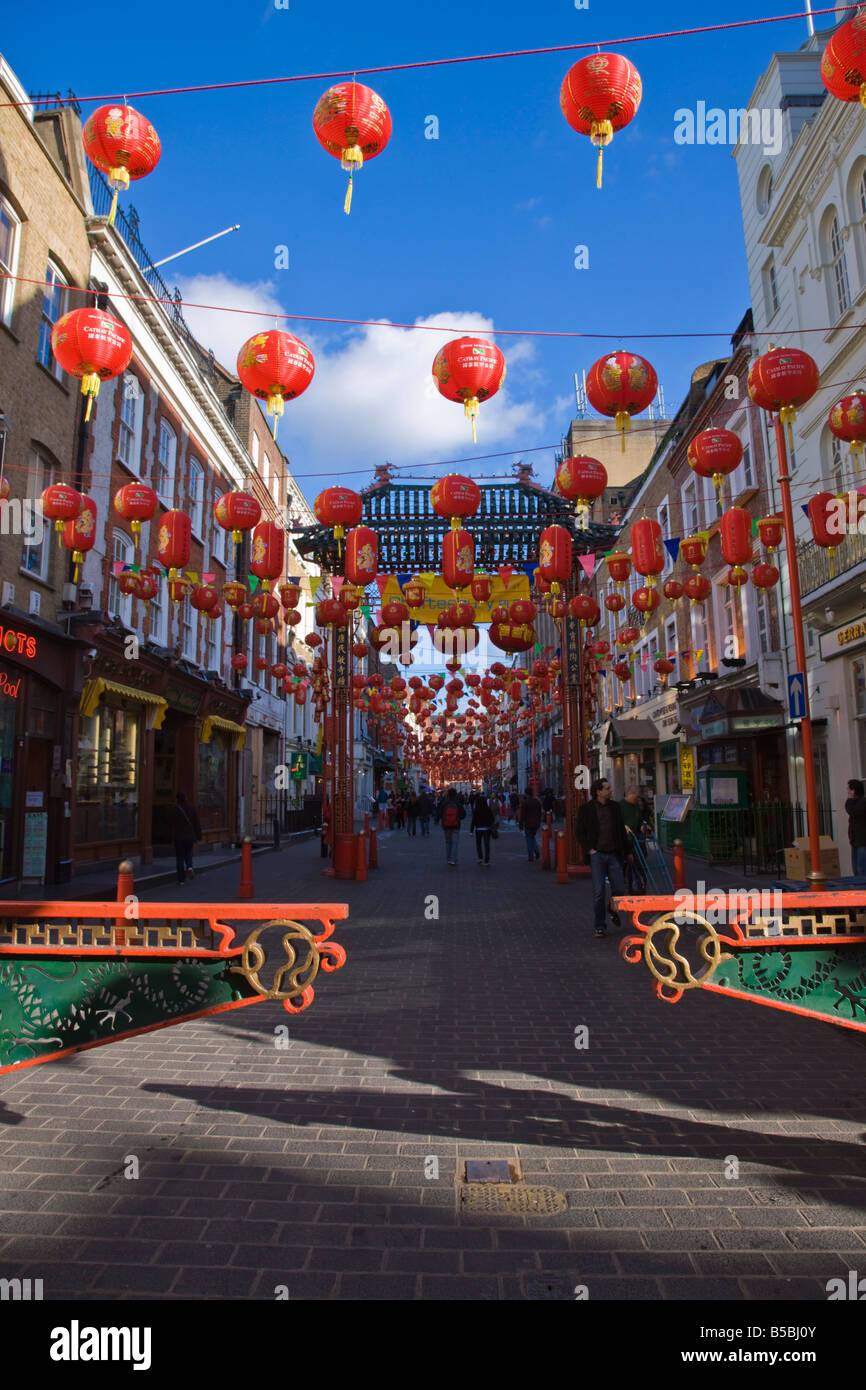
x=185 y=830
x=484 y=824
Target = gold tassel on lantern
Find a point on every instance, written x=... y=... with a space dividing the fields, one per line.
x=470 y=410
x=118 y=178
x=601 y=134
x=623 y=423
x=786 y=415
x=351 y=159
x=90 y=389
x=276 y=405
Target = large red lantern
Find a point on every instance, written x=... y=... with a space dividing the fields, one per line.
x=456 y=497
x=554 y=556
x=621 y=385
x=826 y=518
x=276 y=367
x=600 y=95
x=61 y=503
x=697 y=588
x=173 y=542
x=394 y=612
x=581 y=480
x=622 y=670
x=458 y=559
x=843 y=64
x=614 y=603
x=204 y=596
x=469 y=370
x=237 y=512
x=268 y=553
x=693 y=550
x=79 y=533
x=735 y=531
x=512 y=637
x=770 y=532
x=264 y=605
x=619 y=567
x=672 y=589
x=123 y=144
x=847 y=420
x=91 y=346
x=714 y=454
x=352 y=123
x=522 y=610
x=647 y=549
x=646 y=600
x=234 y=593
x=330 y=612
x=782 y=379
x=338 y=507
x=136 y=502
x=585 y=608
x=764 y=576
x=239 y=662
x=663 y=667
x=362 y=556
x=481 y=587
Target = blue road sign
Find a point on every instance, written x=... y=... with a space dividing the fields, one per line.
x=797 y=695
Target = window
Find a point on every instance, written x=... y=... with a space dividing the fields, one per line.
x=214 y=645
x=157 y=616
x=188 y=630
x=664 y=521
x=838 y=264
x=9 y=239
x=858 y=678
x=691 y=508
x=837 y=465
x=762 y=613
x=53 y=307
x=771 y=293
x=730 y=642
x=700 y=647
x=671 y=648
x=256 y=451
x=36 y=550
x=131 y=409
x=196 y=495
x=166 y=455
x=748 y=470
x=218 y=543
x=764 y=190
x=120 y=605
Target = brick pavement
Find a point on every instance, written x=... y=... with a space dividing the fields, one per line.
x=448 y=1039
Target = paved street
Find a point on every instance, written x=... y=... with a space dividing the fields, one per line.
x=445 y=1040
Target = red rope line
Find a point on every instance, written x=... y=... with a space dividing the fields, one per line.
x=442 y=62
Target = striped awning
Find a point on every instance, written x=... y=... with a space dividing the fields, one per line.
x=227 y=726
x=97 y=687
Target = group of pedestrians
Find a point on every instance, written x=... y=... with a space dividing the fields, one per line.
x=406 y=810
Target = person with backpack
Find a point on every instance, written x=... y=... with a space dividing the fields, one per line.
x=452 y=814
x=185 y=830
x=483 y=822
x=529 y=820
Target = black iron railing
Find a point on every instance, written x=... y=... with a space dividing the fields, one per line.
x=755 y=837
x=818 y=568
x=277 y=815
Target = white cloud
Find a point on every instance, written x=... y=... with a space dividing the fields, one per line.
x=227 y=333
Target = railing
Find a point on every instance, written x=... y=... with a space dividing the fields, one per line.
x=276 y=814
x=755 y=837
x=818 y=568
x=126 y=222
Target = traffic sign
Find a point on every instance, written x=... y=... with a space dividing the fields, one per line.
x=797 y=695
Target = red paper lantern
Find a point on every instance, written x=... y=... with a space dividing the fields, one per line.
x=693 y=549
x=627 y=636
x=350 y=596
x=619 y=567
x=352 y=123
x=61 y=503
x=5 y=490
x=127 y=583
x=736 y=577
x=663 y=667
x=394 y=613
x=735 y=530
x=646 y=600
x=764 y=576
x=239 y=662
x=614 y=603
x=330 y=612
x=469 y=370
x=123 y=144
x=581 y=480
x=512 y=637
x=289 y=594
x=276 y=367
x=585 y=608
x=234 y=593
x=621 y=385
x=481 y=587
x=362 y=556
x=554 y=555
x=264 y=605
x=136 y=502
x=782 y=379
x=622 y=670
x=179 y=588
x=338 y=507
x=279 y=671
x=203 y=596
x=92 y=346
x=843 y=64
x=523 y=610
x=314 y=640
x=647 y=548
x=714 y=454
x=268 y=553
x=847 y=420
x=292 y=617
x=237 y=512
x=414 y=593
x=697 y=588
x=557 y=608
x=455 y=497
x=458 y=559
x=360 y=650
x=260 y=663
x=600 y=95
x=770 y=532
x=148 y=586
x=672 y=589
x=826 y=519
x=246 y=611
x=79 y=533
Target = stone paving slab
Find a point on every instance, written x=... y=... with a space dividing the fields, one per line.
x=444 y=1038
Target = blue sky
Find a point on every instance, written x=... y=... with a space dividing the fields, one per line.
x=476 y=228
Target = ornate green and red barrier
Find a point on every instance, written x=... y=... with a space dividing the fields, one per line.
x=77 y=975
x=802 y=952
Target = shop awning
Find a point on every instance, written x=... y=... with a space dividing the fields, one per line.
x=227 y=726
x=631 y=734
x=97 y=687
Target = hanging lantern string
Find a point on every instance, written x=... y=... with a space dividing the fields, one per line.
x=447 y=62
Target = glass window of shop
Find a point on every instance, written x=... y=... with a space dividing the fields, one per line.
x=213 y=772
x=107 y=803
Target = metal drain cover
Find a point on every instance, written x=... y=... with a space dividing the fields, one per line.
x=543 y=1201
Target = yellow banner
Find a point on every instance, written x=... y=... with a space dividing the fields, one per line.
x=687 y=769
x=438 y=597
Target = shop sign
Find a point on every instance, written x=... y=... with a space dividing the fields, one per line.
x=8 y=686
x=687 y=768
x=717 y=729
x=18 y=643
x=180 y=698
x=838 y=641
x=744 y=722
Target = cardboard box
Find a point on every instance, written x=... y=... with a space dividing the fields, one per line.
x=798 y=862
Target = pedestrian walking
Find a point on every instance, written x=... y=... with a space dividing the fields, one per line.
x=484 y=818
x=185 y=829
x=452 y=813
x=602 y=835
x=513 y=806
x=856 y=808
x=425 y=811
x=412 y=813
x=529 y=820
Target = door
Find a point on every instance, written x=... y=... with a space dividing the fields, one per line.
x=36 y=790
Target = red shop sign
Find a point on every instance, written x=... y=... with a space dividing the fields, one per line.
x=9 y=687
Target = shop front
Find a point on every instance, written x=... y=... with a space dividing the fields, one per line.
x=740 y=729
x=41 y=671
x=631 y=746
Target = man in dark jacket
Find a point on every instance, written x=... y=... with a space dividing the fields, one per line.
x=185 y=829
x=856 y=808
x=451 y=813
x=425 y=811
x=601 y=834
x=530 y=819
x=483 y=820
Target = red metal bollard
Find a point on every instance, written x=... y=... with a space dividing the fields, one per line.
x=545 y=847
x=125 y=889
x=366 y=822
x=381 y=820
x=561 y=857
x=245 y=889
x=360 y=858
x=373 y=857
x=679 y=865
